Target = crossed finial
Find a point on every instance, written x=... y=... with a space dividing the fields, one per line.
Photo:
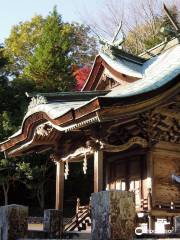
x=115 y=42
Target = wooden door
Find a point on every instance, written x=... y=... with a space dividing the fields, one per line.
x=126 y=174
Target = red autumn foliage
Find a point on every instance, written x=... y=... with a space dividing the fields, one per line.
x=81 y=76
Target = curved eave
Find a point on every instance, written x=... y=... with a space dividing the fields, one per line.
x=31 y=123
x=123 y=107
x=98 y=109
x=62 y=123
x=35 y=143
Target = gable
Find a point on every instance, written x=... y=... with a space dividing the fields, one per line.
x=108 y=73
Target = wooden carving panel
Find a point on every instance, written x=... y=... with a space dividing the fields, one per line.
x=165 y=190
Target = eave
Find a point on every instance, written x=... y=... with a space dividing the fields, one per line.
x=99 y=109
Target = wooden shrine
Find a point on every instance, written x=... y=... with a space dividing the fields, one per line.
x=126 y=119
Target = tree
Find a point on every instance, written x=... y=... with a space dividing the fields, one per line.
x=81 y=75
x=22 y=42
x=41 y=174
x=147 y=34
x=10 y=172
x=49 y=66
x=84 y=45
x=6 y=126
x=43 y=50
x=141 y=22
x=4 y=87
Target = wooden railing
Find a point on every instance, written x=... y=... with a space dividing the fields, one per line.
x=81 y=219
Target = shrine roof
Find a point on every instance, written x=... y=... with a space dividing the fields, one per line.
x=156 y=72
x=55 y=109
x=67 y=111
x=123 y=65
x=68 y=96
x=143 y=67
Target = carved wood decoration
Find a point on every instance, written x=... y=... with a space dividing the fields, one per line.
x=145 y=129
x=161 y=124
x=119 y=148
x=44 y=129
x=54 y=157
x=35 y=101
x=94 y=145
x=79 y=153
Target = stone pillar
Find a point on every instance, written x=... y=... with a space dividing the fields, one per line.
x=113 y=215
x=13 y=222
x=98 y=171
x=53 y=222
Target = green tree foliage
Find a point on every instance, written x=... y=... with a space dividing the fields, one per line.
x=50 y=65
x=11 y=171
x=3 y=79
x=21 y=43
x=41 y=173
x=43 y=50
x=84 y=46
x=6 y=126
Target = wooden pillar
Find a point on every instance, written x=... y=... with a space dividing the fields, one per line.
x=59 y=185
x=149 y=182
x=107 y=176
x=98 y=171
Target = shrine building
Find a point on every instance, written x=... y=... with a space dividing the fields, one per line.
x=126 y=120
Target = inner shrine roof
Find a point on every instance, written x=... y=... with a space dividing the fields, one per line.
x=143 y=68
x=124 y=66
x=156 y=72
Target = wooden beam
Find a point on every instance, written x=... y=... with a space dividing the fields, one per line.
x=78 y=154
x=98 y=171
x=59 y=185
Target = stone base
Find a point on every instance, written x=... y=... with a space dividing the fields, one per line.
x=13 y=222
x=53 y=222
x=113 y=215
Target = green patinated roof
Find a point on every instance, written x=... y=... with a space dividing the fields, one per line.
x=156 y=72
x=68 y=96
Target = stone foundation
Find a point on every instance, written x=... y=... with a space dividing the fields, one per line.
x=53 y=222
x=113 y=215
x=13 y=222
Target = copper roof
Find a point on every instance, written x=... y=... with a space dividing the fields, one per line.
x=159 y=74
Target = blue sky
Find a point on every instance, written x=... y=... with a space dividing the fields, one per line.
x=14 y=11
